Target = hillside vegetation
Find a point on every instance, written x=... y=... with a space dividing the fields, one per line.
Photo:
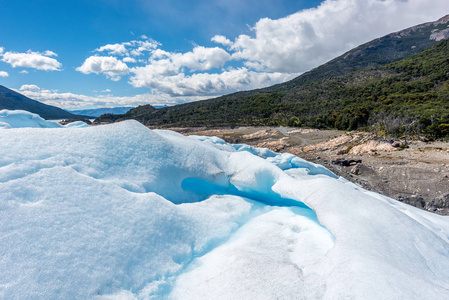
x=409 y=95
x=378 y=52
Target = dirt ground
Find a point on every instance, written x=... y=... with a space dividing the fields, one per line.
x=417 y=174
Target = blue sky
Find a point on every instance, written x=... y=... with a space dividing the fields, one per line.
x=103 y=53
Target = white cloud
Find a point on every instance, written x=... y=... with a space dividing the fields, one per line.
x=50 y=53
x=129 y=59
x=204 y=84
x=220 y=39
x=275 y=51
x=73 y=101
x=4 y=74
x=1 y=50
x=167 y=72
x=108 y=65
x=113 y=49
x=143 y=46
x=201 y=58
x=23 y=72
x=161 y=63
x=159 y=53
x=29 y=87
x=106 y=91
x=30 y=59
x=164 y=63
x=133 y=48
x=311 y=37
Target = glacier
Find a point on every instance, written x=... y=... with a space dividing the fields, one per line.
x=120 y=211
x=24 y=119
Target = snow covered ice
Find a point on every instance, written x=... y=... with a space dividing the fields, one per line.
x=21 y=119
x=123 y=212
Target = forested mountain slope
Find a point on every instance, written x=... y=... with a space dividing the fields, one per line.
x=413 y=90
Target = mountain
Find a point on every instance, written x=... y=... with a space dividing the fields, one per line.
x=378 y=52
x=139 y=113
x=411 y=89
x=101 y=111
x=14 y=101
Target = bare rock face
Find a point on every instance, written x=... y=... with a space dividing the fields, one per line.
x=442 y=20
x=302 y=130
x=439 y=205
x=440 y=35
x=332 y=144
x=372 y=146
x=410 y=30
x=276 y=146
x=265 y=133
x=355 y=170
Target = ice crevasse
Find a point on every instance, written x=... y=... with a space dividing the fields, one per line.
x=123 y=212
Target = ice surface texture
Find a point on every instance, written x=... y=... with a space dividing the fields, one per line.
x=120 y=211
x=21 y=119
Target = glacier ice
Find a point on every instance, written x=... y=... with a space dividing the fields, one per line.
x=121 y=211
x=21 y=119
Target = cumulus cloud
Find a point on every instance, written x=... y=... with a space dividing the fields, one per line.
x=29 y=87
x=4 y=74
x=159 y=53
x=311 y=37
x=201 y=58
x=133 y=48
x=23 y=72
x=143 y=46
x=204 y=84
x=50 y=53
x=113 y=49
x=108 y=65
x=274 y=50
x=177 y=74
x=35 y=60
x=161 y=63
x=129 y=59
x=220 y=39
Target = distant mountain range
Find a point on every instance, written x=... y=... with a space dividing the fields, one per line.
x=12 y=100
x=399 y=78
x=101 y=111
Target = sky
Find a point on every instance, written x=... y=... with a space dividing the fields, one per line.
x=106 y=53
